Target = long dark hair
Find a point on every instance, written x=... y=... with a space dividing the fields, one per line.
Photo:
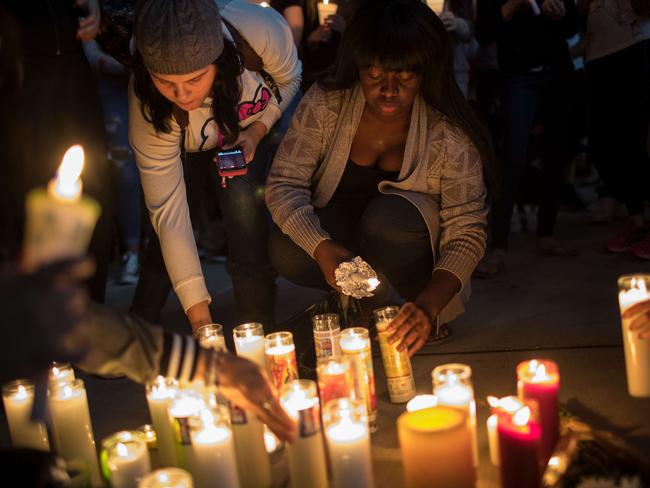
x=407 y=35
x=226 y=92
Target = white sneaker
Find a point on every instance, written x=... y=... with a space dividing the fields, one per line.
x=130 y=268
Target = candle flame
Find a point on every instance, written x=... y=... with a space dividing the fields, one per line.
x=122 y=450
x=271 y=443
x=326 y=2
x=373 y=283
x=67 y=184
x=66 y=392
x=421 y=402
x=554 y=461
x=638 y=284
x=21 y=394
x=264 y=4
x=522 y=417
x=493 y=401
x=539 y=371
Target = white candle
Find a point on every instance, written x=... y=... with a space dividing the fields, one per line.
x=183 y=409
x=421 y=402
x=151 y=440
x=18 y=398
x=306 y=453
x=211 y=336
x=249 y=343
x=167 y=478
x=126 y=458
x=73 y=432
x=248 y=433
x=633 y=289
x=348 y=442
x=325 y=9
x=436 y=5
x=159 y=395
x=507 y=404
x=61 y=374
x=214 y=453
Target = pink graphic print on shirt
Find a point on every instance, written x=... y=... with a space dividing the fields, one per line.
x=259 y=103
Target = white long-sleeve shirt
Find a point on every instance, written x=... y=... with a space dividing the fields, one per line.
x=158 y=154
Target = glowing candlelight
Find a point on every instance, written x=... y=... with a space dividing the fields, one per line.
x=281 y=358
x=249 y=343
x=325 y=9
x=335 y=379
x=67 y=184
x=167 y=478
x=211 y=336
x=327 y=335
x=126 y=458
x=18 y=398
x=421 y=402
x=159 y=395
x=355 y=345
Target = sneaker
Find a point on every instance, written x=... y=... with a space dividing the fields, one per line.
x=641 y=249
x=130 y=268
x=629 y=235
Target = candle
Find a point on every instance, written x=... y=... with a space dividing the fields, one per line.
x=421 y=402
x=159 y=395
x=436 y=445
x=214 y=452
x=18 y=398
x=61 y=374
x=355 y=345
x=325 y=9
x=211 y=336
x=508 y=404
x=306 y=453
x=151 y=440
x=248 y=433
x=348 y=443
x=125 y=458
x=436 y=5
x=327 y=335
x=183 y=408
x=167 y=478
x=397 y=365
x=73 y=432
x=539 y=380
x=281 y=358
x=519 y=448
x=335 y=379
x=59 y=221
x=633 y=289
x=452 y=384
x=249 y=343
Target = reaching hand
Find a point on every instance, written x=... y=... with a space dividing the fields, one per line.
x=555 y=9
x=449 y=20
x=639 y=319
x=410 y=328
x=329 y=255
x=249 y=138
x=89 y=24
x=322 y=34
x=336 y=22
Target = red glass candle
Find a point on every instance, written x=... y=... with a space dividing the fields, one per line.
x=539 y=380
x=519 y=446
x=334 y=379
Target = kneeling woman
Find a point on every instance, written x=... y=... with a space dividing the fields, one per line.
x=385 y=159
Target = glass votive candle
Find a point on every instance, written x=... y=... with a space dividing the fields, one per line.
x=420 y=402
x=167 y=478
x=211 y=336
x=281 y=358
x=159 y=395
x=327 y=335
x=249 y=342
x=355 y=346
x=335 y=379
x=151 y=438
x=18 y=399
x=125 y=458
x=61 y=374
x=184 y=410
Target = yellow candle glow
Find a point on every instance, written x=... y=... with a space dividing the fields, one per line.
x=325 y=9
x=18 y=398
x=421 y=402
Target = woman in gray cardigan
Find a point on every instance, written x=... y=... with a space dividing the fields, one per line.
x=386 y=160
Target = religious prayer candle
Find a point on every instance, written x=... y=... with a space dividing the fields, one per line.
x=436 y=446
x=250 y=448
x=519 y=448
x=18 y=398
x=73 y=432
x=167 y=478
x=125 y=458
x=436 y=5
x=327 y=335
x=335 y=379
x=281 y=358
x=184 y=409
x=59 y=220
x=61 y=374
x=325 y=9
x=306 y=453
x=421 y=402
x=633 y=289
x=151 y=439
x=348 y=442
x=214 y=451
x=452 y=385
x=159 y=395
x=508 y=404
x=539 y=380
x=355 y=345
x=397 y=365
x=211 y=336
x=249 y=343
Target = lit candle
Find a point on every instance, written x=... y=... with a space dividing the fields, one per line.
x=508 y=404
x=397 y=365
x=348 y=443
x=436 y=5
x=306 y=453
x=159 y=395
x=73 y=432
x=436 y=445
x=151 y=440
x=211 y=336
x=325 y=9
x=183 y=408
x=61 y=374
x=633 y=289
x=452 y=385
x=421 y=402
x=519 y=448
x=167 y=478
x=249 y=343
x=539 y=380
x=214 y=452
x=250 y=448
x=334 y=379
x=355 y=345
x=18 y=398
x=126 y=458
x=59 y=220
x=327 y=335
x=281 y=358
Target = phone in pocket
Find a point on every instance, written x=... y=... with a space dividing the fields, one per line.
x=231 y=162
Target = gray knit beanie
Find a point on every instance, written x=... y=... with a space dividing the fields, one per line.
x=176 y=37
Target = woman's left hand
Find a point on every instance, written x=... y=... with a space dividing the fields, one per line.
x=89 y=25
x=249 y=138
x=411 y=328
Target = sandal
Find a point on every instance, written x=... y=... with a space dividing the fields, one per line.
x=547 y=246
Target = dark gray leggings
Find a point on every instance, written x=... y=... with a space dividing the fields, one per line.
x=390 y=234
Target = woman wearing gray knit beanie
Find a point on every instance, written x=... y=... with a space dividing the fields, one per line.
x=195 y=91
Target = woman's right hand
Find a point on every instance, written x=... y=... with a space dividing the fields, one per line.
x=323 y=33
x=329 y=255
x=199 y=315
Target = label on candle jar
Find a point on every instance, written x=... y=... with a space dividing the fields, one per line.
x=309 y=421
x=282 y=368
x=326 y=345
x=364 y=378
x=182 y=430
x=399 y=376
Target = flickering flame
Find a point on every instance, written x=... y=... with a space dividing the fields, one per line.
x=421 y=402
x=21 y=394
x=67 y=185
x=638 y=284
x=554 y=462
x=509 y=403
x=264 y=4
x=493 y=401
x=373 y=283
x=522 y=417
x=326 y=2
x=539 y=371
x=66 y=392
x=122 y=450
x=271 y=443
